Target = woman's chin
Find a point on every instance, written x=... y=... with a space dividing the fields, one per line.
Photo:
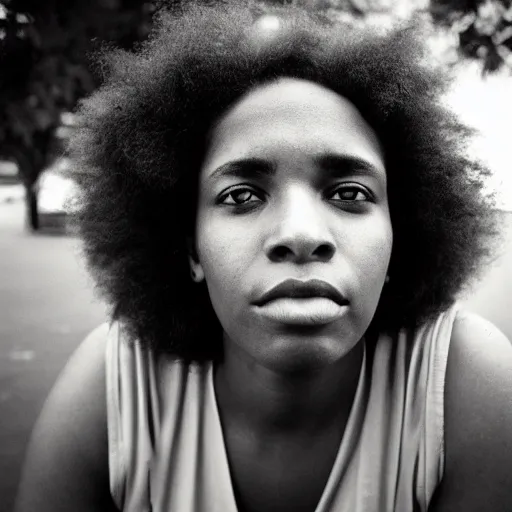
x=306 y=355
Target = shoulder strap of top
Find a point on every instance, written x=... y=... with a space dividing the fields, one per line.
x=401 y=457
x=433 y=346
x=132 y=416
x=115 y=460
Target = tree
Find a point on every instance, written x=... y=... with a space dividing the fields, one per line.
x=483 y=29
x=44 y=70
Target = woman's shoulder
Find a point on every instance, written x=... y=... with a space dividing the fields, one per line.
x=478 y=418
x=79 y=394
x=479 y=370
x=67 y=457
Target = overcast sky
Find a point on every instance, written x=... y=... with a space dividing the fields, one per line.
x=487 y=105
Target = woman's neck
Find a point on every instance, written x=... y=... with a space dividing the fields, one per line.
x=269 y=403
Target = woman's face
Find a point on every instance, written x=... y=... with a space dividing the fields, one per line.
x=293 y=186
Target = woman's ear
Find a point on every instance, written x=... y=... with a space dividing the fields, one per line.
x=196 y=269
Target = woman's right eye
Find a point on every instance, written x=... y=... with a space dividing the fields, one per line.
x=240 y=196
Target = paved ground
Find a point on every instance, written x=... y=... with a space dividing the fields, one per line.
x=46 y=309
x=47 y=306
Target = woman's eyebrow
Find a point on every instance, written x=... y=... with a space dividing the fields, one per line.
x=244 y=168
x=340 y=165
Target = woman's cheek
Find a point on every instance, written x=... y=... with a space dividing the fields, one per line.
x=374 y=254
x=221 y=256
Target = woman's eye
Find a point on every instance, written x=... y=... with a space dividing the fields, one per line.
x=352 y=193
x=239 y=196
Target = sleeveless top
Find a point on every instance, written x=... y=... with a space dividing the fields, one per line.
x=167 y=453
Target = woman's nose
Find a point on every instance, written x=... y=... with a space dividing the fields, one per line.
x=300 y=232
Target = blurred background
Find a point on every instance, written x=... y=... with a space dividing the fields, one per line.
x=47 y=301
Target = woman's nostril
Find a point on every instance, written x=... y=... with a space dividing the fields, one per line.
x=280 y=252
x=324 y=251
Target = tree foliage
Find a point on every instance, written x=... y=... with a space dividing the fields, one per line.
x=44 y=67
x=483 y=29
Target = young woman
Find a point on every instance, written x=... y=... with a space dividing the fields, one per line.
x=281 y=215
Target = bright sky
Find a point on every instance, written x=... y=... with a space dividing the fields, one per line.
x=487 y=105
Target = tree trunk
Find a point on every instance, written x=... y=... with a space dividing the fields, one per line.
x=32 y=217
x=30 y=164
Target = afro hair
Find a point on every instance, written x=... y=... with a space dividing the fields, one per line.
x=141 y=136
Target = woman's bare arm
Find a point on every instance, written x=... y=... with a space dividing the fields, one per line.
x=478 y=420
x=66 y=465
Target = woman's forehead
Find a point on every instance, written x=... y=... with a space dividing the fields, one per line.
x=290 y=114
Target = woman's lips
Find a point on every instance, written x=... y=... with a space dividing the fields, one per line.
x=297 y=289
x=302 y=311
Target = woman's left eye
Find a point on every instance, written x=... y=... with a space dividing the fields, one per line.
x=352 y=193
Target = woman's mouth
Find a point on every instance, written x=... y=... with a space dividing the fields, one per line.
x=302 y=311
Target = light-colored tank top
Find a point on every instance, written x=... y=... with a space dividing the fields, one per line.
x=166 y=447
